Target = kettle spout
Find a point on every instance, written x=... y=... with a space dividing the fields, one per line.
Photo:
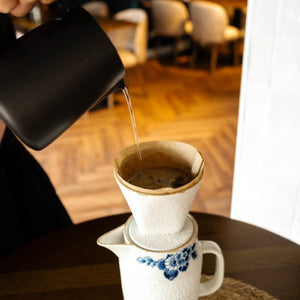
x=114 y=241
x=119 y=86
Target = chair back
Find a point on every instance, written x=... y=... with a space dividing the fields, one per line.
x=209 y=22
x=169 y=17
x=135 y=38
x=97 y=9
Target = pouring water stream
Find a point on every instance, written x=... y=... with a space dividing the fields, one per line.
x=136 y=137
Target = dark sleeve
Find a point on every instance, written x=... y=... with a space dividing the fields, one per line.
x=7 y=33
x=29 y=206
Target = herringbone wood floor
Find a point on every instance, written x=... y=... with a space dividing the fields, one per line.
x=179 y=104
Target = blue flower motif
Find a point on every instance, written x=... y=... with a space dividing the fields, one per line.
x=172 y=264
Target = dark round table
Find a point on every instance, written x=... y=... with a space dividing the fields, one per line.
x=68 y=264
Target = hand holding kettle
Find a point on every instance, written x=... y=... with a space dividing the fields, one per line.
x=19 y=8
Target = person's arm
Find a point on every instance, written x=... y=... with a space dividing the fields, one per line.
x=2 y=129
x=19 y=8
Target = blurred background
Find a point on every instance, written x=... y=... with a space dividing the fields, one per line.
x=193 y=76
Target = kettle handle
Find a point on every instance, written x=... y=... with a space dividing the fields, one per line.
x=210 y=286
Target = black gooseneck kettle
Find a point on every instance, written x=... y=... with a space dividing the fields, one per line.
x=55 y=73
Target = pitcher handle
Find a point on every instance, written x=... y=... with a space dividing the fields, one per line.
x=213 y=284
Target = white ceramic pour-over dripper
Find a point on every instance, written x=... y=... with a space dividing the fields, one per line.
x=164 y=210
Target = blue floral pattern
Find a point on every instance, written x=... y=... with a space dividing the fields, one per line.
x=172 y=264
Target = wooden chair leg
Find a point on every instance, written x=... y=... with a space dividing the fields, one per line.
x=236 y=53
x=194 y=54
x=141 y=78
x=176 y=49
x=157 y=45
x=214 y=58
x=110 y=101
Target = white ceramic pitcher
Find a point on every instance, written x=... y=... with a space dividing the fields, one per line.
x=156 y=274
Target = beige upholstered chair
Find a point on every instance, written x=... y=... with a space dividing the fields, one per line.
x=211 y=27
x=170 y=19
x=97 y=9
x=131 y=42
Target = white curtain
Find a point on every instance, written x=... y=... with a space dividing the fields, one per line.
x=266 y=189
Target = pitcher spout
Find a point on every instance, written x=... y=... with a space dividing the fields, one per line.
x=114 y=241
